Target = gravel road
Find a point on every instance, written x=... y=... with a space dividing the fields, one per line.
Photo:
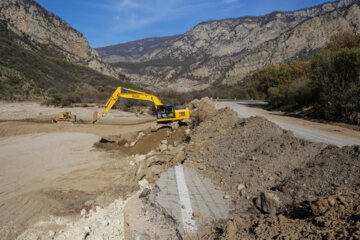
x=316 y=132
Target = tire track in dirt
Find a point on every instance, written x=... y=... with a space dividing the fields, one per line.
x=17 y=214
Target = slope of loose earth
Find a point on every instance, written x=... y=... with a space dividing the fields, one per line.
x=283 y=187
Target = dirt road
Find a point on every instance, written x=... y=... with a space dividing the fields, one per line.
x=53 y=169
x=31 y=163
x=316 y=132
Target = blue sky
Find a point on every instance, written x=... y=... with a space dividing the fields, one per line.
x=108 y=22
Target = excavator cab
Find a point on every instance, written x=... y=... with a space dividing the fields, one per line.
x=165 y=112
x=169 y=113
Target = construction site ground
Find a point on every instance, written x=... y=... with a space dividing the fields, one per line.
x=226 y=175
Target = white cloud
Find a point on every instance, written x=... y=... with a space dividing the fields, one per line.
x=230 y=1
x=130 y=4
x=137 y=14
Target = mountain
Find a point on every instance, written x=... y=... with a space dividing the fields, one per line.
x=39 y=51
x=228 y=51
x=134 y=51
x=44 y=28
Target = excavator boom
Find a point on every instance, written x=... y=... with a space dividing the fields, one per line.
x=132 y=94
x=165 y=113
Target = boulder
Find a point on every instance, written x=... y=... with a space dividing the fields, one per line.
x=240 y=187
x=140 y=135
x=269 y=202
x=145 y=193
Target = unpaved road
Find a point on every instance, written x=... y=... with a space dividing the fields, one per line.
x=28 y=110
x=53 y=169
x=316 y=132
x=31 y=163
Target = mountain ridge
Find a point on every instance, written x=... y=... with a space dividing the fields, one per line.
x=202 y=56
x=44 y=28
x=40 y=52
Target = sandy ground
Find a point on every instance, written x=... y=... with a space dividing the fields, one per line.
x=29 y=118
x=32 y=163
x=28 y=110
x=53 y=169
x=313 y=131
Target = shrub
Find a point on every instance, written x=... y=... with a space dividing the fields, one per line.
x=274 y=82
x=330 y=82
x=336 y=80
x=54 y=96
x=300 y=92
x=344 y=40
x=69 y=99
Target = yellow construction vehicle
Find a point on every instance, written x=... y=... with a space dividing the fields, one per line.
x=166 y=114
x=65 y=116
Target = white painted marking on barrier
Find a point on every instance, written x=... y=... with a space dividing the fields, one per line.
x=184 y=199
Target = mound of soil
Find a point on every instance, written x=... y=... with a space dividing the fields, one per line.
x=150 y=153
x=333 y=169
x=312 y=187
x=142 y=142
x=252 y=152
x=333 y=217
x=201 y=109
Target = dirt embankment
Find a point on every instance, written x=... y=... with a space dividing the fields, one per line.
x=150 y=152
x=283 y=187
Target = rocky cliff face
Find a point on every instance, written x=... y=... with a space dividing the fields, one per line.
x=26 y=17
x=134 y=51
x=228 y=51
x=296 y=43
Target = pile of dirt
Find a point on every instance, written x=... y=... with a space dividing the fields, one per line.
x=247 y=155
x=151 y=153
x=333 y=217
x=143 y=142
x=279 y=183
x=201 y=109
x=332 y=170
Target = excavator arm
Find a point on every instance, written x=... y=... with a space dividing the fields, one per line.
x=132 y=94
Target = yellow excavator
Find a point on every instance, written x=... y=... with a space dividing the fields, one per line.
x=166 y=114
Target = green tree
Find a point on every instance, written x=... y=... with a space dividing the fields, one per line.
x=274 y=82
x=336 y=80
